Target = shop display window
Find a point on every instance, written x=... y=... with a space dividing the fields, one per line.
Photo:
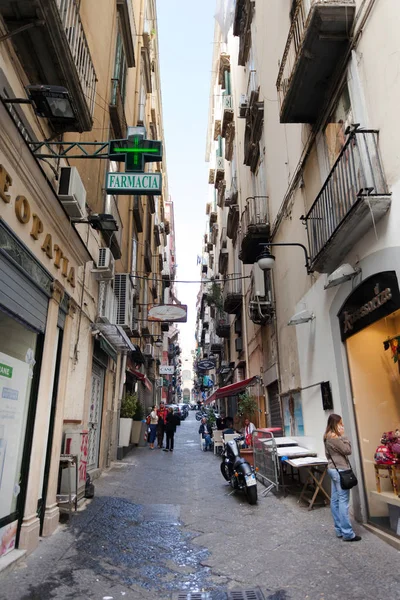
x=375 y=380
x=17 y=364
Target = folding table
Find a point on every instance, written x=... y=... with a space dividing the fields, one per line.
x=311 y=465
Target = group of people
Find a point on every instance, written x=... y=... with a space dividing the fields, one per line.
x=162 y=422
x=225 y=424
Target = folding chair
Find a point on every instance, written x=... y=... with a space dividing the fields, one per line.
x=218 y=440
x=202 y=442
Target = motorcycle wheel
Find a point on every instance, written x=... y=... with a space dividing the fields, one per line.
x=225 y=471
x=251 y=493
x=199 y=417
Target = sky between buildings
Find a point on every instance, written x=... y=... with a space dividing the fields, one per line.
x=186 y=32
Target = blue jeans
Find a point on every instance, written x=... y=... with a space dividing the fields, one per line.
x=153 y=432
x=340 y=507
x=207 y=439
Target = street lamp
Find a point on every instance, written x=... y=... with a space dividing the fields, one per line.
x=158 y=343
x=49 y=101
x=266 y=261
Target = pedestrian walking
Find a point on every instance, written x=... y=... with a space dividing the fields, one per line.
x=153 y=427
x=162 y=415
x=205 y=432
x=337 y=449
x=170 y=428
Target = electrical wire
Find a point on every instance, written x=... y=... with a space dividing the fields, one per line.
x=150 y=278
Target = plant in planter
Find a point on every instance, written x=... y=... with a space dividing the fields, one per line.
x=128 y=407
x=247 y=406
x=137 y=423
x=214 y=296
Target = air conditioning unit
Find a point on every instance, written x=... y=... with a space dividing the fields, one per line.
x=243 y=106
x=148 y=351
x=238 y=344
x=72 y=193
x=258 y=276
x=108 y=303
x=220 y=163
x=124 y=292
x=104 y=265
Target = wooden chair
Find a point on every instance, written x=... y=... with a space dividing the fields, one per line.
x=392 y=474
x=218 y=440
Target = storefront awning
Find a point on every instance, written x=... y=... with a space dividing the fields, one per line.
x=116 y=336
x=231 y=390
x=140 y=377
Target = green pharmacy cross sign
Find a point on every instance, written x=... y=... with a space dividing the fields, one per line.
x=135 y=151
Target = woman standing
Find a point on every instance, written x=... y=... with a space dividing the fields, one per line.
x=170 y=428
x=337 y=449
x=153 y=426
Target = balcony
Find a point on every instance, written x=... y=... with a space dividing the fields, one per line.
x=117 y=111
x=216 y=343
x=242 y=28
x=211 y=176
x=232 y=194
x=138 y=213
x=253 y=130
x=222 y=327
x=229 y=141
x=113 y=239
x=317 y=44
x=217 y=129
x=224 y=68
x=157 y=235
x=214 y=234
x=221 y=193
x=232 y=294
x=255 y=229
x=56 y=53
x=232 y=222
x=227 y=113
x=352 y=200
x=147 y=256
x=219 y=172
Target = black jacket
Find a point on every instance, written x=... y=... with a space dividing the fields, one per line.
x=201 y=429
x=170 y=426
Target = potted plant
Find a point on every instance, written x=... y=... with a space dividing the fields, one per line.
x=247 y=407
x=128 y=407
x=137 y=423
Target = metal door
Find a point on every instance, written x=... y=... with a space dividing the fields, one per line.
x=95 y=412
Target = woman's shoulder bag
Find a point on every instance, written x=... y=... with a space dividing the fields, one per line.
x=348 y=479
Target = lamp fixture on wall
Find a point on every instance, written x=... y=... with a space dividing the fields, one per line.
x=304 y=316
x=266 y=260
x=49 y=101
x=343 y=273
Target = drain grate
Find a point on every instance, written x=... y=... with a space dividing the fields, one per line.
x=247 y=594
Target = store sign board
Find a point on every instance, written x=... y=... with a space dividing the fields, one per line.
x=375 y=298
x=205 y=365
x=170 y=313
x=166 y=369
x=144 y=184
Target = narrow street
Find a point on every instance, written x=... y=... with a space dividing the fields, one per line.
x=163 y=524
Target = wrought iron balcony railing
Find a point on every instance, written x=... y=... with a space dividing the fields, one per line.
x=354 y=196
x=254 y=229
x=318 y=40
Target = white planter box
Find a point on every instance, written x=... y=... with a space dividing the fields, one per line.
x=136 y=430
x=125 y=428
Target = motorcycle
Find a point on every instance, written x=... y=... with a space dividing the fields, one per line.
x=238 y=471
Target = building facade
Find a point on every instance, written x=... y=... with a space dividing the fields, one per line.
x=301 y=145
x=78 y=265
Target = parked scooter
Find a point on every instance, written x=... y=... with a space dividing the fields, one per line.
x=238 y=471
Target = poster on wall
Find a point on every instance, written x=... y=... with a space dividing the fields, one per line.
x=8 y=536
x=14 y=381
x=292 y=414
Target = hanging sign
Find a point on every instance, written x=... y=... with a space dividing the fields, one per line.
x=135 y=151
x=375 y=298
x=172 y=313
x=166 y=369
x=205 y=365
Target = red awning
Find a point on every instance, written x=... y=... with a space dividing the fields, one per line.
x=137 y=374
x=231 y=390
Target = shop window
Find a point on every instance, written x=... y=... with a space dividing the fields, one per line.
x=17 y=365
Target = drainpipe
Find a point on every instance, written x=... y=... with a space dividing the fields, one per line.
x=244 y=325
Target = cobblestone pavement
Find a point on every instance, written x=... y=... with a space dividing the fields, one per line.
x=163 y=523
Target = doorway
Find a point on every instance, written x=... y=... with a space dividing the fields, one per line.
x=95 y=414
